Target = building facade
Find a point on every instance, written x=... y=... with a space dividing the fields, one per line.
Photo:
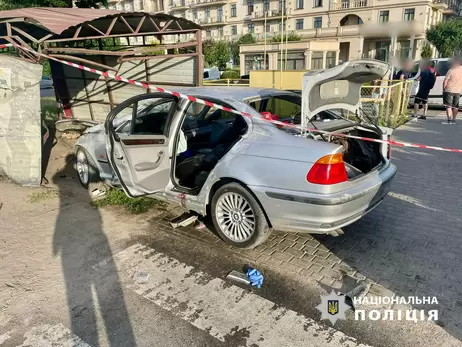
x=380 y=29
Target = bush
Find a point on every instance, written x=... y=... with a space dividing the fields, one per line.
x=230 y=74
x=293 y=36
x=133 y=205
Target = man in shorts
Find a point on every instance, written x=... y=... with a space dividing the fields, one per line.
x=426 y=83
x=452 y=86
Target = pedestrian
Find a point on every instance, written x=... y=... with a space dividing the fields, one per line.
x=403 y=73
x=452 y=86
x=426 y=80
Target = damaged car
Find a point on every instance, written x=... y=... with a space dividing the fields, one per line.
x=247 y=174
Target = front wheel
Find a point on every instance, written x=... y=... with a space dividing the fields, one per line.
x=238 y=217
x=86 y=168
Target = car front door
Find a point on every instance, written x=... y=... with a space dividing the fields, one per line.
x=138 y=149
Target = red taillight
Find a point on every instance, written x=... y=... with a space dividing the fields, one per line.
x=328 y=170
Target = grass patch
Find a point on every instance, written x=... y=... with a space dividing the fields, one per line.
x=44 y=195
x=49 y=110
x=117 y=197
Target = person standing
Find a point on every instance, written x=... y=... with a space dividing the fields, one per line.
x=452 y=86
x=426 y=80
x=403 y=73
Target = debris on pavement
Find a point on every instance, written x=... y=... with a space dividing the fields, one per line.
x=200 y=225
x=255 y=277
x=142 y=277
x=238 y=277
x=184 y=220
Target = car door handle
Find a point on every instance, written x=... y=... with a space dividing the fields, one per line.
x=146 y=166
x=118 y=156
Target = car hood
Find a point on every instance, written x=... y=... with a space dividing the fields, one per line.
x=338 y=87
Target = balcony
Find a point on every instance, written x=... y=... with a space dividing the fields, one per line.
x=217 y=21
x=178 y=6
x=350 y=4
x=203 y=3
x=271 y=14
x=446 y=6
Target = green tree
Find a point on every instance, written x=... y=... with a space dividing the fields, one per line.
x=246 y=39
x=446 y=37
x=427 y=51
x=216 y=53
x=235 y=44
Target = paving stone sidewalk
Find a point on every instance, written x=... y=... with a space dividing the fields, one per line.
x=408 y=246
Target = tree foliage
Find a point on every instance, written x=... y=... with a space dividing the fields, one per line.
x=446 y=37
x=216 y=53
x=235 y=44
x=427 y=51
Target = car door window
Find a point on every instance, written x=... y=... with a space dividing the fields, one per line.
x=442 y=68
x=151 y=117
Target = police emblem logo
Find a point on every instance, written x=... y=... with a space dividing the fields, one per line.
x=332 y=307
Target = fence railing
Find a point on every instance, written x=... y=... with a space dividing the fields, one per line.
x=386 y=101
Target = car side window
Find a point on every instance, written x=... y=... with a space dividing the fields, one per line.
x=151 y=117
x=442 y=68
x=283 y=106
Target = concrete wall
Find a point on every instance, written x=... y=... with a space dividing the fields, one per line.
x=20 y=125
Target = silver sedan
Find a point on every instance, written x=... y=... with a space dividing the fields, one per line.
x=248 y=175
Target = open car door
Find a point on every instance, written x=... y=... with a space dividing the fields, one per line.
x=137 y=146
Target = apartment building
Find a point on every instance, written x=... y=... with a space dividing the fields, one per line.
x=330 y=30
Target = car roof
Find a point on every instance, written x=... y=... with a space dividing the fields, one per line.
x=239 y=93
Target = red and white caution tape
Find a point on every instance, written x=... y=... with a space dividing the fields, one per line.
x=227 y=109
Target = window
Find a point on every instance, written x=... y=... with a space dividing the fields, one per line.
x=330 y=59
x=317 y=22
x=249 y=8
x=255 y=62
x=384 y=16
x=283 y=106
x=299 y=24
x=442 y=67
x=195 y=14
x=268 y=27
x=170 y=3
x=299 y=4
x=220 y=14
x=234 y=30
x=151 y=117
x=220 y=32
x=409 y=14
x=208 y=33
x=294 y=61
x=382 y=49
x=404 y=49
x=266 y=5
x=282 y=6
x=141 y=5
x=233 y=11
x=317 y=3
x=207 y=13
x=316 y=60
x=251 y=28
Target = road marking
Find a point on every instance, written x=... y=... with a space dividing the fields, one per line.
x=225 y=311
x=52 y=336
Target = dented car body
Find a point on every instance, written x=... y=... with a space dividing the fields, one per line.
x=249 y=175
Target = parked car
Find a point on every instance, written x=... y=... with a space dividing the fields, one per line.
x=441 y=66
x=247 y=174
x=46 y=83
x=211 y=74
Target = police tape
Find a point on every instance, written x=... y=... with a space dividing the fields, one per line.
x=118 y=78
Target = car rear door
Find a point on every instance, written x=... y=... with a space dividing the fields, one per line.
x=138 y=151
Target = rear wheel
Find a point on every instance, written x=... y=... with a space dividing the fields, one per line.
x=86 y=168
x=238 y=217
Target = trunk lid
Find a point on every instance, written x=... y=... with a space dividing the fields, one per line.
x=339 y=88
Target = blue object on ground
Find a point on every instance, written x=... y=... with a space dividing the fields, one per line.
x=255 y=277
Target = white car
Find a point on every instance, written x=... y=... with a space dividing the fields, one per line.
x=441 y=66
x=46 y=83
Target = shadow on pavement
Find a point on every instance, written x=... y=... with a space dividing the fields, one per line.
x=94 y=291
x=411 y=244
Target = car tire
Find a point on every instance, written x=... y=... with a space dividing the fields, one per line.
x=86 y=168
x=238 y=217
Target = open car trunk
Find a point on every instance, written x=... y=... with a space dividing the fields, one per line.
x=329 y=96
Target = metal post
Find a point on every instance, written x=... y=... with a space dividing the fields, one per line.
x=264 y=55
x=282 y=42
x=199 y=59
x=287 y=39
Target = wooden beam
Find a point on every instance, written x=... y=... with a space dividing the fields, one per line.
x=97 y=30
x=82 y=60
x=155 y=33
x=88 y=51
x=8 y=30
x=166 y=25
x=140 y=24
x=46 y=37
x=126 y=23
x=108 y=32
x=77 y=32
x=154 y=23
x=163 y=47
x=149 y=57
